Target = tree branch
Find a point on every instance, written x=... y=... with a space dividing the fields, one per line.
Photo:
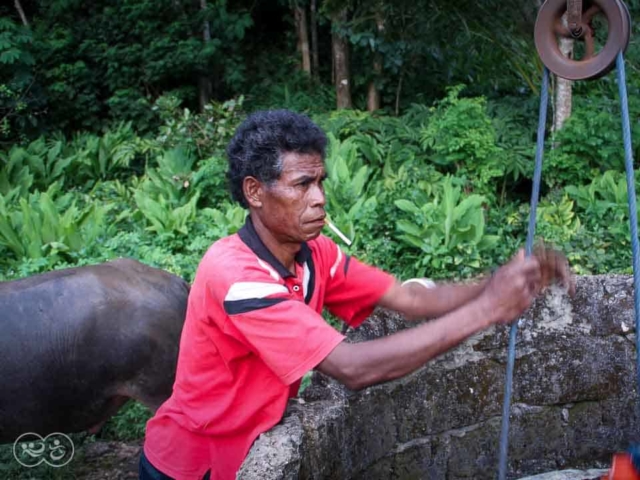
x=23 y=17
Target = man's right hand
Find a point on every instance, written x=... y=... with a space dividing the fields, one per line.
x=512 y=288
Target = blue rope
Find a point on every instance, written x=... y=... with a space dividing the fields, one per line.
x=633 y=220
x=535 y=193
x=631 y=194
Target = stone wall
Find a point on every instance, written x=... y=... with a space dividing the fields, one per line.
x=574 y=401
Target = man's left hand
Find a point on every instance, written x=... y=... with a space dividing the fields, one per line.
x=554 y=267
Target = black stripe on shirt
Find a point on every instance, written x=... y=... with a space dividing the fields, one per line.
x=235 y=307
x=312 y=280
x=346 y=264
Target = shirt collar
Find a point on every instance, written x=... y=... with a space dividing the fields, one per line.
x=250 y=237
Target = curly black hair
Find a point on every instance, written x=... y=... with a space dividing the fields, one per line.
x=257 y=147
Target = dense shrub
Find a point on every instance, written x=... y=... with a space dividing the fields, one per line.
x=388 y=189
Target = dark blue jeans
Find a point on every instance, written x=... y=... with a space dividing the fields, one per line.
x=146 y=471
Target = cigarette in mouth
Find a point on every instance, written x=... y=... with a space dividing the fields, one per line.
x=338 y=232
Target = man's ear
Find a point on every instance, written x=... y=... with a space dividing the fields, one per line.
x=253 y=191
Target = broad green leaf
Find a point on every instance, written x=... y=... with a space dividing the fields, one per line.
x=409 y=228
x=407 y=206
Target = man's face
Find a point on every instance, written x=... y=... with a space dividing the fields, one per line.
x=293 y=206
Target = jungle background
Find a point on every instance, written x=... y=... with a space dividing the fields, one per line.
x=115 y=115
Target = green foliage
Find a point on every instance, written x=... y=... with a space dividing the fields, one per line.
x=401 y=169
x=86 y=159
x=129 y=424
x=291 y=91
x=424 y=46
x=18 y=104
x=603 y=208
x=460 y=134
x=557 y=221
x=39 y=164
x=514 y=121
x=590 y=142
x=173 y=177
x=206 y=136
x=113 y=60
x=382 y=141
x=167 y=198
x=166 y=253
x=211 y=178
x=448 y=230
x=99 y=158
x=347 y=198
x=50 y=225
x=378 y=242
x=15 y=177
x=604 y=197
x=222 y=222
x=81 y=68
x=165 y=217
x=208 y=133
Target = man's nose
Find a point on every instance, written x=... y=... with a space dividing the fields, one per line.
x=318 y=198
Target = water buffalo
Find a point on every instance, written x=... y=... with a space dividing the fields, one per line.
x=75 y=344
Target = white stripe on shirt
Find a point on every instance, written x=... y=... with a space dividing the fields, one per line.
x=246 y=290
x=332 y=272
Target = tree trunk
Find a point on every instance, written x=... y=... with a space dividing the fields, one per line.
x=314 y=41
x=340 y=49
x=205 y=88
x=373 y=95
x=563 y=103
x=23 y=17
x=300 y=15
x=398 y=90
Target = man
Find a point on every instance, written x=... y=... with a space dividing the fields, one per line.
x=253 y=326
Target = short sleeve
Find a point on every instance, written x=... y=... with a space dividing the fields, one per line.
x=288 y=336
x=353 y=288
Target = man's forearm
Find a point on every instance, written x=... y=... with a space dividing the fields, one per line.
x=397 y=355
x=441 y=299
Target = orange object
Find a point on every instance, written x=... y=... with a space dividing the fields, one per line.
x=622 y=468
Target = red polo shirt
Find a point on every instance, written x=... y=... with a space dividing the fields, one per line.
x=252 y=331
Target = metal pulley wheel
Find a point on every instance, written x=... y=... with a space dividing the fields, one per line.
x=581 y=23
